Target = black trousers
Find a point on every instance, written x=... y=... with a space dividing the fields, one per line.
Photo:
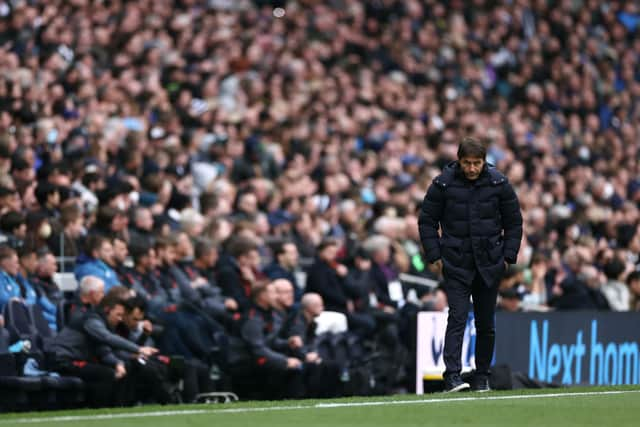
x=322 y=380
x=101 y=387
x=148 y=381
x=196 y=380
x=484 y=307
x=254 y=382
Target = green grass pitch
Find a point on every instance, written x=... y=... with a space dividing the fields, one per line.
x=593 y=406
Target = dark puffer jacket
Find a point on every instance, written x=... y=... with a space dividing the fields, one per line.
x=480 y=220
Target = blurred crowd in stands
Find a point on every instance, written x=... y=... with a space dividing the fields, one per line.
x=226 y=175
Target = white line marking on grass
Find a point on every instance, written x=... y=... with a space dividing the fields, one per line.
x=296 y=407
x=467 y=399
x=103 y=416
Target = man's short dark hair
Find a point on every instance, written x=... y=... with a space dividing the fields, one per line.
x=120 y=237
x=163 y=242
x=28 y=249
x=538 y=257
x=258 y=289
x=279 y=248
x=43 y=252
x=110 y=300
x=44 y=190
x=633 y=276
x=5 y=148
x=19 y=164
x=471 y=147
x=614 y=268
x=6 y=191
x=105 y=216
x=121 y=292
x=6 y=252
x=135 y=302
x=94 y=242
x=208 y=201
x=11 y=220
x=90 y=178
x=241 y=245
x=326 y=242
x=139 y=250
x=70 y=213
x=203 y=247
x=362 y=253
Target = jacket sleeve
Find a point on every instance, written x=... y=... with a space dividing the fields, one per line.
x=295 y=326
x=212 y=299
x=358 y=284
x=382 y=289
x=156 y=301
x=276 y=340
x=318 y=280
x=188 y=293
x=47 y=306
x=5 y=295
x=511 y=223
x=230 y=283
x=429 y=221
x=30 y=295
x=252 y=334
x=107 y=356
x=154 y=304
x=97 y=330
x=278 y=343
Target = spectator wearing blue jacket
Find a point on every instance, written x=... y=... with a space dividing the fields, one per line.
x=14 y=285
x=32 y=295
x=9 y=288
x=94 y=262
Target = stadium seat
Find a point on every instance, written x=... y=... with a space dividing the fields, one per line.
x=68 y=391
x=66 y=282
x=62 y=313
x=18 y=321
x=39 y=323
x=19 y=391
x=16 y=392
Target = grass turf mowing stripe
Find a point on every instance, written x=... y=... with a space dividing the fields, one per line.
x=70 y=418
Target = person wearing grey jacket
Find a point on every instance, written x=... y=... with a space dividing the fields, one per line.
x=86 y=348
x=262 y=354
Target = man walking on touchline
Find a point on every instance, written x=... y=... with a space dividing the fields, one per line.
x=481 y=227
